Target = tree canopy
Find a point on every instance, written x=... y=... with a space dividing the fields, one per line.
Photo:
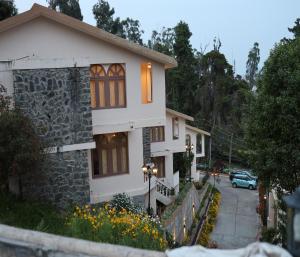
x=68 y=7
x=128 y=28
x=7 y=9
x=252 y=66
x=20 y=146
x=274 y=124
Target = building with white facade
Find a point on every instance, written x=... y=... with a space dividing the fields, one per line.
x=99 y=102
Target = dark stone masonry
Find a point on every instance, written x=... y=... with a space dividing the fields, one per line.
x=58 y=102
x=146 y=145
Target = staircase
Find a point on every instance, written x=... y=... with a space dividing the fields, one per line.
x=164 y=193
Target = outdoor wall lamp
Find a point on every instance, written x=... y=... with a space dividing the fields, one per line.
x=149 y=170
x=293 y=222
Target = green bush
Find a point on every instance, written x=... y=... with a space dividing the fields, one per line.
x=185 y=187
x=198 y=185
x=123 y=201
x=31 y=215
x=210 y=221
x=270 y=235
x=205 y=178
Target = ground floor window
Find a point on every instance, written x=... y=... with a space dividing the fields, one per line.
x=159 y=162
x=111 y=155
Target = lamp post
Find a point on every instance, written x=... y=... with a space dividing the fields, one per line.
x=293 y=222
x=149 y=170
x=189 y=148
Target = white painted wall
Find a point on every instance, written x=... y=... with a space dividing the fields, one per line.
x=41 y=43
x=170 y=145
x=102 y=189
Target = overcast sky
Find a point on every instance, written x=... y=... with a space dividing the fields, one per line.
x=238 y=23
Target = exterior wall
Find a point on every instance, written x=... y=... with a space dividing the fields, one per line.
x=184 y=214
x=102 y=189
x=170 y=145
x=56 y=46
x=16 y=242
x=41 y=45
x=58 y=103
x=194 y=172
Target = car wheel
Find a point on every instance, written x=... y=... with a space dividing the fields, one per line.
x=251 y=187
x=234 y=185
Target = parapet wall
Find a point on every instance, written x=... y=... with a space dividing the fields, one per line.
x=15 y=242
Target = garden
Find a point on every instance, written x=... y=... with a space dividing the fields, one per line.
x=116 y=222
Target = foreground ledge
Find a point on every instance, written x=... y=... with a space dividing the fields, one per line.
x=16 y=242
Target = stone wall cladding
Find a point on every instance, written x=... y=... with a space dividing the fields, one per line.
x=58 y=102
x=146 y=145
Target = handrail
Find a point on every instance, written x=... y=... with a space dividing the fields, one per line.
x=163 y=189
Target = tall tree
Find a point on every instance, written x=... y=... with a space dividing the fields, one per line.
x=183 y=79
x=296 y=29
x=274 y=124
x=17 y=135
x=252 y=66
x=163 y=41
x=7 y=9
x=68 y=7
x=128 y=28
x=132 y=31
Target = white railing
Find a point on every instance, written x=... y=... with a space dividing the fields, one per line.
x=163 y=189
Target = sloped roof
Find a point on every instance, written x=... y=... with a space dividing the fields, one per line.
x=200 y=131
x=42 y=11
x=179 y=114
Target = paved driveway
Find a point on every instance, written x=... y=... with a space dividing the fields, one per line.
x=237 y=224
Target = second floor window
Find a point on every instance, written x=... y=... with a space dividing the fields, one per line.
x=107 y=88
x=146 y=83
x=157 y=134
x=175 y=125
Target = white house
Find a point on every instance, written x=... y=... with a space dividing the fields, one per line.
x=98 y=100
x=196 y=138
x=96 y=94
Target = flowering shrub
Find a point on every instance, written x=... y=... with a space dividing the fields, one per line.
x=121 y=227
x=123 y=201
x=210 y=221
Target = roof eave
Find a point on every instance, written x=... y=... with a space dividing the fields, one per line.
x=39 y=10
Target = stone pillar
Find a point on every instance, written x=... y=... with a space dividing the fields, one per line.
x=146 y=145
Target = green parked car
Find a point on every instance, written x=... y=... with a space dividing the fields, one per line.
x=244 y=181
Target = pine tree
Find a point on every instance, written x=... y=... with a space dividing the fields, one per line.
x=252 y=66
x=273 y=127
x=68 y=7
x=128 y=28
x=7 y=9
x=183 y=79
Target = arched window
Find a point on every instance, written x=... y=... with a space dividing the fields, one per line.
x=111 y=155
x=97 y=84
x=108 y=88
x=116 y=77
